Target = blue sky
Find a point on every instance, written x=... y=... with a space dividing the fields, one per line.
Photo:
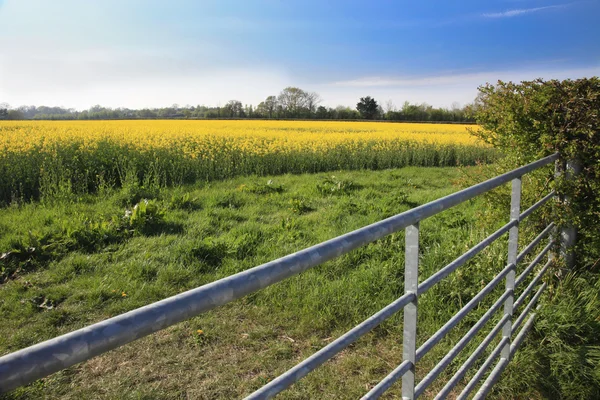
x=138 y=53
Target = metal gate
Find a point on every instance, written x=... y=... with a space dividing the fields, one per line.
x=27 y=365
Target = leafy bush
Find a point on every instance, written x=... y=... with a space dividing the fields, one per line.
x=534 y=119
x=300 y=206
x=184 y=202
x=528 y=121
x=145 y=216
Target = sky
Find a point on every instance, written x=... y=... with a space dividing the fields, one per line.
x=150 y=53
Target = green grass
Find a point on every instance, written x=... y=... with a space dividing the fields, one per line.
x=73 y=262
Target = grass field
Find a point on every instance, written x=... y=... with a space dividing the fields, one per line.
x=46 y=158
x=72 y=263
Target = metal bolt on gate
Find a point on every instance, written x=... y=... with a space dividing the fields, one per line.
x=27 y=365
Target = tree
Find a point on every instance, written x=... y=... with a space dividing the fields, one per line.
x=4 y=111
x=412 y=112
x=146 y=113
x=293 y=101
x=270 y=104
x=301 y=104
x=261 y=110
x=342 y=112
x=322 y=113
x=389 y=108
x=312 y=101
x=167 y=112
x=248 y=111
x=367 y=107
x=233 y=109
x=15 y=114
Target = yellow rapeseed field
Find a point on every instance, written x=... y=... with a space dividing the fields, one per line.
x=81 y=155
x=197 y=137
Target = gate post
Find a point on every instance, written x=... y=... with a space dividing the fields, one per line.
x=568 y=233
x=411 y=283
x=513 y=250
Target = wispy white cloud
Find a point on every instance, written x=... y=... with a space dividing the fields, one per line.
x=443 y=89
x=475 y=77
x=521 y=11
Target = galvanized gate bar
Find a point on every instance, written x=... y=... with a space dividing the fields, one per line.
x=534 y=243
x=449 y=325
x=481 y=371
x=458 y=375
x=454 y=380
x=534 y=207
x=448 y=269
x=521 y=335
x=388 y=381
x=533 y=263
x=552 y=239
x=529 y=306
x=444 y=362
x=302 y=369
x=443 y=331
x=533 y=282
x=503 y=362
x=38 y=361
x=491 y=379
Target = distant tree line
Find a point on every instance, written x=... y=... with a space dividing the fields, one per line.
x=291 y=103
